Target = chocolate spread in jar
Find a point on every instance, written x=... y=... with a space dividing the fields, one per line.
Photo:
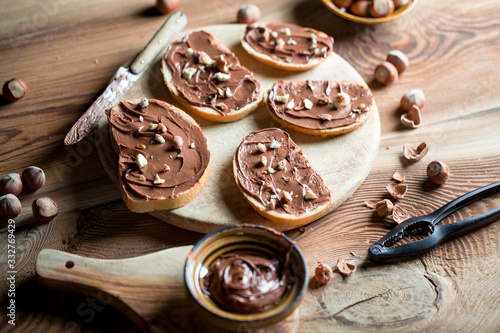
x=207 y=76
x=272 y=169
x=287 y=100
x=245 y=283
x=175 y=150
x=289 y=42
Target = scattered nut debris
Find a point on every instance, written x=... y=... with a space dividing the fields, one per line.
x=302 y=229
x=345 y=268
x=397 y=191
x=371 y=203
x=413 y=118
x=323 y=274
x=384 y=207
x=399 y=214
x=415 y=154
x=397 y=176
x=352 y=253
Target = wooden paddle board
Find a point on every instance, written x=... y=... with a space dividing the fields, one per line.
x=343 y=161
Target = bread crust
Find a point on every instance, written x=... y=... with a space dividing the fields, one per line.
x=139 y=204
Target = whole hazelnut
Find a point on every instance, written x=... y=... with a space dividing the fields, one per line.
x=386 y=73
x=323 y=274
x=399 y=60
x=10 y=206
x=361 y=8
x=34 y=177
x=248 y=14
x=412 y=97
x=11 y=183
x=166 y=6
x=342 y=3
x=14 y=89
x=381 y=8
x=438 y=172
x=44 y=209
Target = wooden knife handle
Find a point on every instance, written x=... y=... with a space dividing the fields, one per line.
x=168 y=31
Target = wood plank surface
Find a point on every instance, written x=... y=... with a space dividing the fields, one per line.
x=66 y=51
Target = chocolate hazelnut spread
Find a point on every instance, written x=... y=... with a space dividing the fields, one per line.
x=161 y=154
x=319 y=105
x=209 y=76
x=245 y=283
x=272 y=169
x=288 y=42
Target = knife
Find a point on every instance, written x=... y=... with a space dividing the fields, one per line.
x=125 y=77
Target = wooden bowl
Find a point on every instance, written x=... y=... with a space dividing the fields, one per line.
x=246 y=239
x=398 y=13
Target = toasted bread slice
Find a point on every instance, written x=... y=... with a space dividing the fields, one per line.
x=175 y=162
x=277 y=179
x=208 y=79
x=323 y=108
x=287 y=46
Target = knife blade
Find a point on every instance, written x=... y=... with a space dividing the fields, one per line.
x=125 y=77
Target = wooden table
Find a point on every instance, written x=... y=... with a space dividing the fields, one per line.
x=66 y=51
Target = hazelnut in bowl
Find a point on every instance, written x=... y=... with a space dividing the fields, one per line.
x=370 y=11
x=246 y=276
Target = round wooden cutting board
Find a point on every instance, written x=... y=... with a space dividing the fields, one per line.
x=343 y=161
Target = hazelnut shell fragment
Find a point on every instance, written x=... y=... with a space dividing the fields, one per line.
x=415 y=154
x=438 y=172
x=323 y=274
x=397 y=191
x=412 y=118
x=44 y=209
x=384 y=207
x=345 y=268
x=10 y=206
x=34 y=177
x=399 y=214
x=11 y=183
x=397 y=176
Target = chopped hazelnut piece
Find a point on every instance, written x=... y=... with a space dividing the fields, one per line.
x=263 y=160
x=141 y=161
x=261 y=147
x=229 y=93
x=144 y=103
x=192 y=145
x=323 y=274
x=189 y=52
x=324 y=99
x=274 y=144
x=142 y=178
x=412 y=119
x=286 y=31
x=166 y=168
x=159 y=138
x=140 y=146
x=342 y=100
x=287 y=196
x=222 y=76
x=290 y=105
x=141 y=119
x=161 y=128
x=204 y=58
x=178 y=142
x=308 y=104
x=325 y=117
x=222 y=64
x=345 y=268
x=282 y=99
x=271 y=170
x=180 y=156
x=415 y=154
x=271 y=204
x=274 y=34
x=152 y=126
x=281 y=165
x=280 y=43
x=188 y=73
x=302 y=229
x=310 y=196
x=384 y=207
x=399 y=214
x=397 y=191
x=398 y=176
x=158 y=180
x=291 y=42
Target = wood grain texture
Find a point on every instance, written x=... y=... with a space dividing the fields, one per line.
x=66 y=51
